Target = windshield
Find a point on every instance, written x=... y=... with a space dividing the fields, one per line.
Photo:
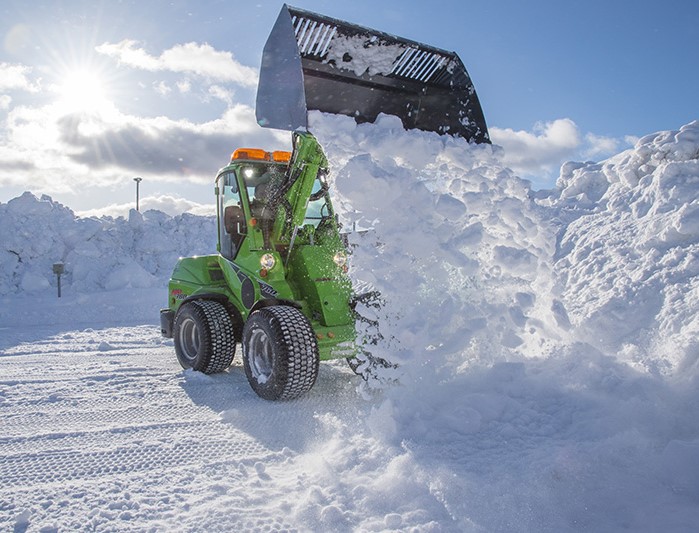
x=261 y=178
x=318 y=208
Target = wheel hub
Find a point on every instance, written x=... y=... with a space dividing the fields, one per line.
x=190 y=339
x=260 y=355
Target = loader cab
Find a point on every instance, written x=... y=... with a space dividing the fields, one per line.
x=244 y=190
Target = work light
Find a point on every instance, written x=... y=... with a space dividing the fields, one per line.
x=267 y=261
x=340 y=259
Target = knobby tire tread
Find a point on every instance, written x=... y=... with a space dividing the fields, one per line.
x=295 y=344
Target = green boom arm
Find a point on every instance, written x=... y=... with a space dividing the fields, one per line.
x=310 y=157
x=307 y=162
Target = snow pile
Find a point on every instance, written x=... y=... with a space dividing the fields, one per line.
x=628 y=252
x=459 y=252
x=356 y=54
x=98 y=254
x=475 y=267
x=510 y=408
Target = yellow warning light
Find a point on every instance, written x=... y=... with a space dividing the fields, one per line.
x=250 y=153
x=281 y=157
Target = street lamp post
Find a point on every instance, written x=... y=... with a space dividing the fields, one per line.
x=58 y=269
x=138 y=182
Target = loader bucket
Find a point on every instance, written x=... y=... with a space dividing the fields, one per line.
x=314 y=62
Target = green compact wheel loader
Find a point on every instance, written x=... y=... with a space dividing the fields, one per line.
x=278 y=284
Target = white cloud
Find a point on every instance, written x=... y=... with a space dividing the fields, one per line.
x=600 y=146
x=55 y=152
x=162 y=88
x=128 y=53
x=222 y=94
x=541 y=150
x=189 y=58
x=539 y=154
x=5 y=101
x=16 y=77
x=184 y=86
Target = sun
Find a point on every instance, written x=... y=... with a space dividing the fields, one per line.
x=82 y=91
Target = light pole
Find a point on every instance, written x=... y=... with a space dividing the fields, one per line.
x=58 y=269
x=138 y=182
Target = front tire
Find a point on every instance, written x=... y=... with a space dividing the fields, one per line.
x=204 y=336
x=280 y=353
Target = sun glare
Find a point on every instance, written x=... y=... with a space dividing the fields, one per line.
x=81 y=90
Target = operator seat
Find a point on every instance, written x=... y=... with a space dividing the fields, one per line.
x=234 y=222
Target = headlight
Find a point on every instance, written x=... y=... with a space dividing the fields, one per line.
x=267 y=261
x=340 y=259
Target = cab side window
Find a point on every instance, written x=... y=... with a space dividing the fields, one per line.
x=233 y=217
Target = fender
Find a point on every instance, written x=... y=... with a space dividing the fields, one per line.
x=218 y=297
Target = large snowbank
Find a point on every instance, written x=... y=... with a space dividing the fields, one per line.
x=514 y=316
x=464 y=256
x=98 y=253
x=476 y=267
x=628 y=251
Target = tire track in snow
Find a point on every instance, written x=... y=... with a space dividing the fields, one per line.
x=120 y=437
x=28 y=446
x=57 y=466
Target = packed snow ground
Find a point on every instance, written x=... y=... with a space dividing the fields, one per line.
x=547 y=362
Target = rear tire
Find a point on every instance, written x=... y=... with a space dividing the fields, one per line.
x=280 y=353
x=204 y=336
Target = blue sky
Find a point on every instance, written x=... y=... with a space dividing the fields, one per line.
x=94 y=93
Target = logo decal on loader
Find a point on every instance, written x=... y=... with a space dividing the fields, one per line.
x=177 y=294
x=267 y=290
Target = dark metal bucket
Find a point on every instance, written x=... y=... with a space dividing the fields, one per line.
x=314 y=62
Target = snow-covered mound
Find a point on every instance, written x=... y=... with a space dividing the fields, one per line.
x=459 y=252
x=485 y=286
x=98 y=254
x=628 y=251
x=475 y=267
